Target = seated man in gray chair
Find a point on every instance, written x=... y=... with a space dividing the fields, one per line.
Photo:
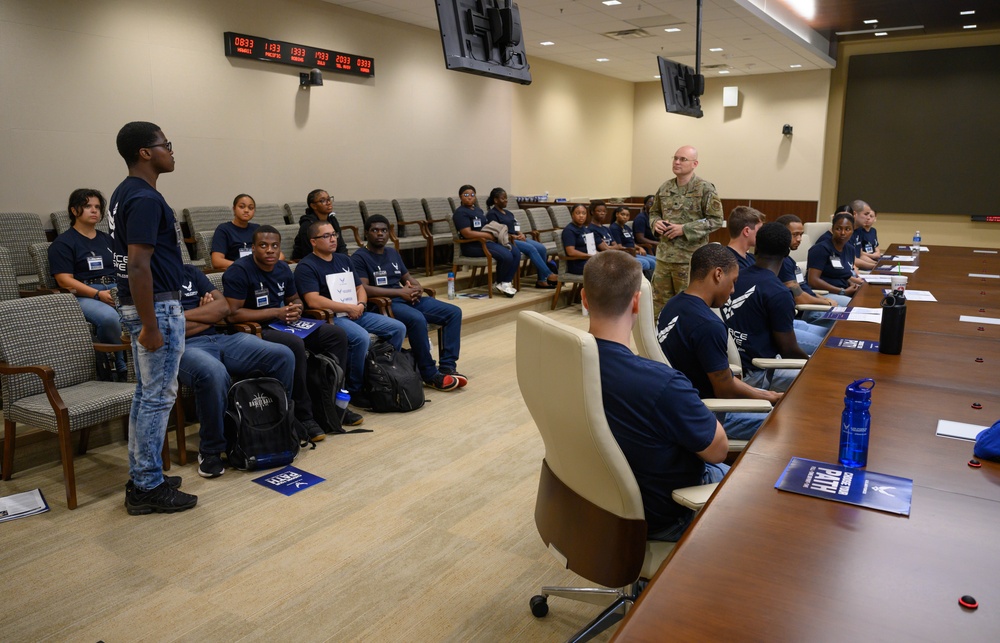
x=670 y=439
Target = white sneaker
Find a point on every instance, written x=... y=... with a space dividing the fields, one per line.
x=508 y=289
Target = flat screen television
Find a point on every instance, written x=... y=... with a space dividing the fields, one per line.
x=483 y=37
x=682 y=88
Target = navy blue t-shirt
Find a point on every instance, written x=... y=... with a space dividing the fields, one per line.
x=641 y=226
x=573 y=236
x=72 y=253
x=384 y=270
x=824 y=257
x=761 y=305
x=506 y=217
x=622 y=235
x=660 y=424
x=230 y=240
x=258 y=289
x=140 y=215
x=864 y=241
x=310 y=274
x=694 y=339
x=468 y=218
x=194 y=286
x=790 y=271
x=603 y=234
x=744 y=262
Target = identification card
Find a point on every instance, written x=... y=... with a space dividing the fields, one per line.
x=245 y=252
x=381 y=278
x=476 y=223
x=95 y=263
x=589 y=240
x=836 y=262
x=517 y=228
x=799 y=278
x=262 y=298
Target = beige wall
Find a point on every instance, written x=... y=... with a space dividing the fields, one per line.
x=75 y=71
x=741 y=149
x=572 y=133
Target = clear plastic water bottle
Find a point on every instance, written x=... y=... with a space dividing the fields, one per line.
x=915 y=246
x=343 y=397
x=856 y=423
x=451 y=285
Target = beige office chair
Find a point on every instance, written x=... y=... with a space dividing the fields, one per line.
x=646 y=344
x=589 y=511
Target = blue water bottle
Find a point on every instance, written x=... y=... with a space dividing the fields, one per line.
x=343 y=397
x=856 y=423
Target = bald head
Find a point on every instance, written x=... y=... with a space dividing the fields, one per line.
x=684 y=162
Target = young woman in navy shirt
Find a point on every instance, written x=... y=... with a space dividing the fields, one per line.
x=469 y=220
x=497 y=203
x=574 y=238
x=831 y=260
x=234 y=239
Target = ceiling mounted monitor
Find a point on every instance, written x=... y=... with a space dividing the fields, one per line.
x=682 y=88
x=483 y=37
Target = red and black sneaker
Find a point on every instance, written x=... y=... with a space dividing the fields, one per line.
x=462 y=380
x=442 y=382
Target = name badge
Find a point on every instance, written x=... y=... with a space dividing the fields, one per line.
x=799 y=278
x=177 y=233
x=517 y=228
x=836 y=262
x=262 y=299
x=95 y=263
x=476 y=223
x=245 y=252
x=626 y=233
x=868 y=248
x=380 y=278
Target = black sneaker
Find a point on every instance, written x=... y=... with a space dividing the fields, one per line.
x=442 y=382
x=462 y=380
x=210 y=465
x=314 y=431
x=164 y=499
x=351 y=418
x=173 y=481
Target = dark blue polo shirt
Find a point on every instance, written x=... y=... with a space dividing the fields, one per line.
x=824 y=257
x=622 y=235
x=469 y=218
x=790 y=271
x=505 y=217
x=384 y=270
x=230 y=239
x=573 y=236
x=694 y=340
x=744 y=262
x=258 y=289
x=864 y=241
x=641 y=226
x=760 y=306
x=72 y=253
x=311 y=272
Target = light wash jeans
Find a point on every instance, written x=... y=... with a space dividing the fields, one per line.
x=778 y=379
x=538 y=254
x=673 y=533
x=106 y=321
x=741 y=426
x=155 y=391
x=358 y=340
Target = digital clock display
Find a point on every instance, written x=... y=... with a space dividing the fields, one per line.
x=278 y=51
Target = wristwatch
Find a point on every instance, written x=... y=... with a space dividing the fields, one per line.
x=843 y=291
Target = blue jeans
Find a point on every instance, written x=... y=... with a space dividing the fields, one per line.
x=506 y=260
x=415 y=318
x=808 y=336
x=155 y=391
x=538 y=254
x=778 y=379
x=358 y=340
x=648 y=262
x=673 y=533
x=741 y=426
x=106 y=320
x=210 y=360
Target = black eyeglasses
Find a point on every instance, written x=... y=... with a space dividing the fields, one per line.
x=166 y=144
x=327 y=236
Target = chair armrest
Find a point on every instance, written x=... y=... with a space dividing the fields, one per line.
x=44 y=373
x=820 y=293
x=319 y=313
x=357 y=237
x=384 y=305
x=763 y=362
x=694 y=497
x=720 y=405
x=430 y=292
x=481 y=242
x=420 y=224
x=252 y=328
x=821 y=307
x=112 y=348
x=737 y=446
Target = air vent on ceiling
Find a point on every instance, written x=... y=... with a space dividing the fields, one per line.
x=628 y=34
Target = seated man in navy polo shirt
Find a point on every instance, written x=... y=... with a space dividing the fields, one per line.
x=696 y=341
x=210 y=359
x=670 y=439
x=383 y=274
x=865 y=237
x=743 y=224
x=312 y=280
x=791 y=275
x=760 y=313
x=260 y=288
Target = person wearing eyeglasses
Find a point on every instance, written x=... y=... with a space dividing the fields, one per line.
x=314 y=276
x=470 y=220
x=319 y=207
x=685 y=210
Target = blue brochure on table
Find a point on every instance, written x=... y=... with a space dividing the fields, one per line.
x=852 y=344
x=844 y=484
x=300 y=328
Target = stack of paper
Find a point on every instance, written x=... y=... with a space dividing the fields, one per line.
x=22 y=505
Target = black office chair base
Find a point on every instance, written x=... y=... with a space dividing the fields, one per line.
x=620 y=602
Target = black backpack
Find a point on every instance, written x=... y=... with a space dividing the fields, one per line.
x=258 y=425
x=324 y=378
x=392 y=382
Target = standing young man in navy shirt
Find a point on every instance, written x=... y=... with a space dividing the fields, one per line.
x=670 y=439
x=148 y=267
x=261 y=288
x=760 y=313
x=383 y=274
x=696 y=341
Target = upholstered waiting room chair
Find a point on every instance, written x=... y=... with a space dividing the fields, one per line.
x=49 y=377
x=479 y=265
x=18 y=230
x=564 y=275
x=589 y=510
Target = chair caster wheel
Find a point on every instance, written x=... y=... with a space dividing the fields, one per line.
x=539 y=606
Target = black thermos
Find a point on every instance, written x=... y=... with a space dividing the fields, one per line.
x=890 y=337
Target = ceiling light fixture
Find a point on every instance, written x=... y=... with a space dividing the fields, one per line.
x=805 y=8
x=547 y=43
x=672 y=29
x=873 y=21
x=716 y=49
x=611 y=3
x=882 y=30
x=795 y=66
x=969 y=27
x=881 y=33
x=967 y=13
x=724 y=71
x=603 y=60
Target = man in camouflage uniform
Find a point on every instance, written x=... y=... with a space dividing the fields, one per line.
x=686 y=209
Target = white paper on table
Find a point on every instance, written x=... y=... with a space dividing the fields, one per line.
x=591 y=246
x=986 y=252
x=896 y=258
x=903 y=270
x=977 y=274
x=922 y=248
x=877 y=279
x=342 y=289
x=916 y=295
x=980 y=320
x=958 y=430
x=24 y=504
x=865 y=315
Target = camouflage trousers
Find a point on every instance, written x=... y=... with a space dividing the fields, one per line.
x=668 y=280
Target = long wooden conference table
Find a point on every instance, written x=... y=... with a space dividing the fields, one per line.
x=760 y=564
